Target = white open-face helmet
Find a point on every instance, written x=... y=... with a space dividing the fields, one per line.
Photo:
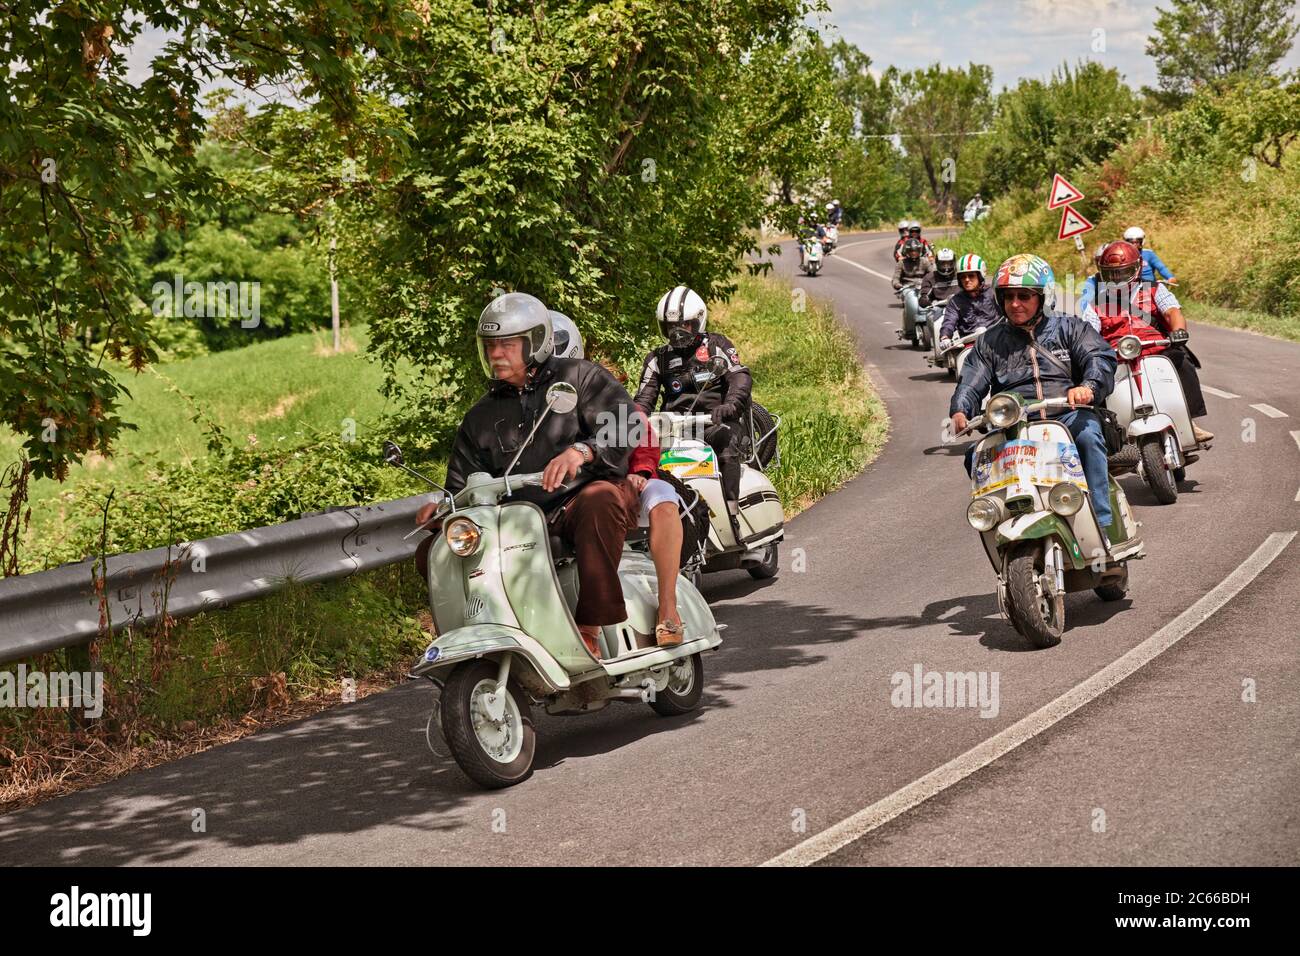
x=830 y=206
x=568 y=340
x=516 y=314
x=682 y=315
x=1134 y=234
x=945 y=263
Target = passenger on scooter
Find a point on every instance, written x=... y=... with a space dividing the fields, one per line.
x=912 y=268
x=972 y=306
x=834 y=214
x=660 y=502
x=903 y=226
x=1041 y=353
x=914 y=232
x=515 y=346
x=669 y=372
x=1128 y=306
x=942 y=282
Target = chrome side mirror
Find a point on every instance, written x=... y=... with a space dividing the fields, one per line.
x=561 y=398
x=393 y=454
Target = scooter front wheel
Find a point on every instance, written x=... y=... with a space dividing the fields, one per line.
x=1156 y=472
x=494 y=752
x=1035 y=614
x=684 y=690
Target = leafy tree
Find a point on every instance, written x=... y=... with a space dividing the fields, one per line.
x=1199 y=42
x=938 y=110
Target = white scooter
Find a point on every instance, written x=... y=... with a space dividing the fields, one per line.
x=1149 y=402
x=810 y=256
x=1030 y=504
x=832 y=239
x=502 y=592
x=685 y=453
x=954 y=356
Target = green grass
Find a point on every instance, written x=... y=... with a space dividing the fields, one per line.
x=1278 y=326
x=272 y=390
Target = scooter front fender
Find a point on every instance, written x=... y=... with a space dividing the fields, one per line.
x=1152 y=424
x=1041 y=524
x=485 y=640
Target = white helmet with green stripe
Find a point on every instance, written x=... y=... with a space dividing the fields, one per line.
x=971 y=263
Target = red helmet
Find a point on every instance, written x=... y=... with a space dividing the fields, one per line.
x=1119 y=262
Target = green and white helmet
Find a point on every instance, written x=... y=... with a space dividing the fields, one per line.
x=516 y=314
x=971 y=263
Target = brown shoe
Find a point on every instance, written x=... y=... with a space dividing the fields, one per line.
x=1200 y=434
x=668 y=634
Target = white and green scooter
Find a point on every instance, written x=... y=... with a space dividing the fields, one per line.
x=1030 y=504
x=502 y=593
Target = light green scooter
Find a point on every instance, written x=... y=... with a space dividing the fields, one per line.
x=1030 y=504
x=502 y=593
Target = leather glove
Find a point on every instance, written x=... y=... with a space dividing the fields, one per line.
x=945 y=344
x=1178 y=337
x=722 y=411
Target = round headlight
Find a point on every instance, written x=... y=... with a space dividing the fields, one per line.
x=1129 y=347
x=463 y=536
x=1065 y=498
x=1003 y=410
x=984 y=514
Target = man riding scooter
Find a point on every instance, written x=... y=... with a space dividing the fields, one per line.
x=1041 y=353
x=912 y=268
x=972 y=306
x=515 y=346
x=941 y=284
x=1125 y=305
x=670 y=371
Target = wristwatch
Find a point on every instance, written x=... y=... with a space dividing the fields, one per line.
x=588 y=456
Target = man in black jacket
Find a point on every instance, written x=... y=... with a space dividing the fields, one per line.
x=588 y=447
x=671 y=371
x=1039 y=353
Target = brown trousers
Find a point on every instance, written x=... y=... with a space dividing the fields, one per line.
x=596 y=521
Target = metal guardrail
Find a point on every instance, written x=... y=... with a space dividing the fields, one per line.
x=48 y=610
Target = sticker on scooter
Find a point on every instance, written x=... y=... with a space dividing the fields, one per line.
x=689 y=462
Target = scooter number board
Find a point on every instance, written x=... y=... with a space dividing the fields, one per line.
x=689 y=462
x=1026 y=462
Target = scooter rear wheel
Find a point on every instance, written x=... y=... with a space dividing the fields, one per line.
x=1157 y=474
x=1115 y=591
x=1034 y=615
x=770 y=566
x=492 y=755
x=684 y=690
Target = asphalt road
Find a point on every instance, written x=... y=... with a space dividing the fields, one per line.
x=799 y=752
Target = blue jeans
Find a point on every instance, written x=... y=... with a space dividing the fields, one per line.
x=1085 y=425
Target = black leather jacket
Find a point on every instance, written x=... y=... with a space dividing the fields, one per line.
x=1010 y=359
x=671 y=372
x=500 y=421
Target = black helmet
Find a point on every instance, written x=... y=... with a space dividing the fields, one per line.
x=912 y=249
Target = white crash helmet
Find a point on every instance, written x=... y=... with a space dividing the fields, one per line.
x=945 y=262
x=902 y=226
x=681 y=310
x=568 y=340
x=830 y=206
x=1134 y=234
x=516 y=314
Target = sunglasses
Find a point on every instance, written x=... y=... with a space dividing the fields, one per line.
x=1020 y=295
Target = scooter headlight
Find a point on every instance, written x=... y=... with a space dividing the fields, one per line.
x=1004 y=410
x=463 y=536
x=1065 y=498
x=1129 y=347
x=984 y=514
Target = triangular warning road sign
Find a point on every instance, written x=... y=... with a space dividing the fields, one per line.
x=1073 y=224
x=1061 y=193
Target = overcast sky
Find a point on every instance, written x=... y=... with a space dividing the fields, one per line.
x=1018 y=38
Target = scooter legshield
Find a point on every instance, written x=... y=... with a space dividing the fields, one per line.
x=487 y=640
x=1042 y=524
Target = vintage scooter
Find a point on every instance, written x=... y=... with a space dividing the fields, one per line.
x=954 y=356
x=686 y=454
x=910 y=333
x=832 y=238
x=1031 y=506
x=502 y=592
x=1149 y=402
x=810 y=256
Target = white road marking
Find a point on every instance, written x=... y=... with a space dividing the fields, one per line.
x=850 y=262
x=1219 y=392
x=1296 y=436
x=1270 y=411
x=840 y=835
